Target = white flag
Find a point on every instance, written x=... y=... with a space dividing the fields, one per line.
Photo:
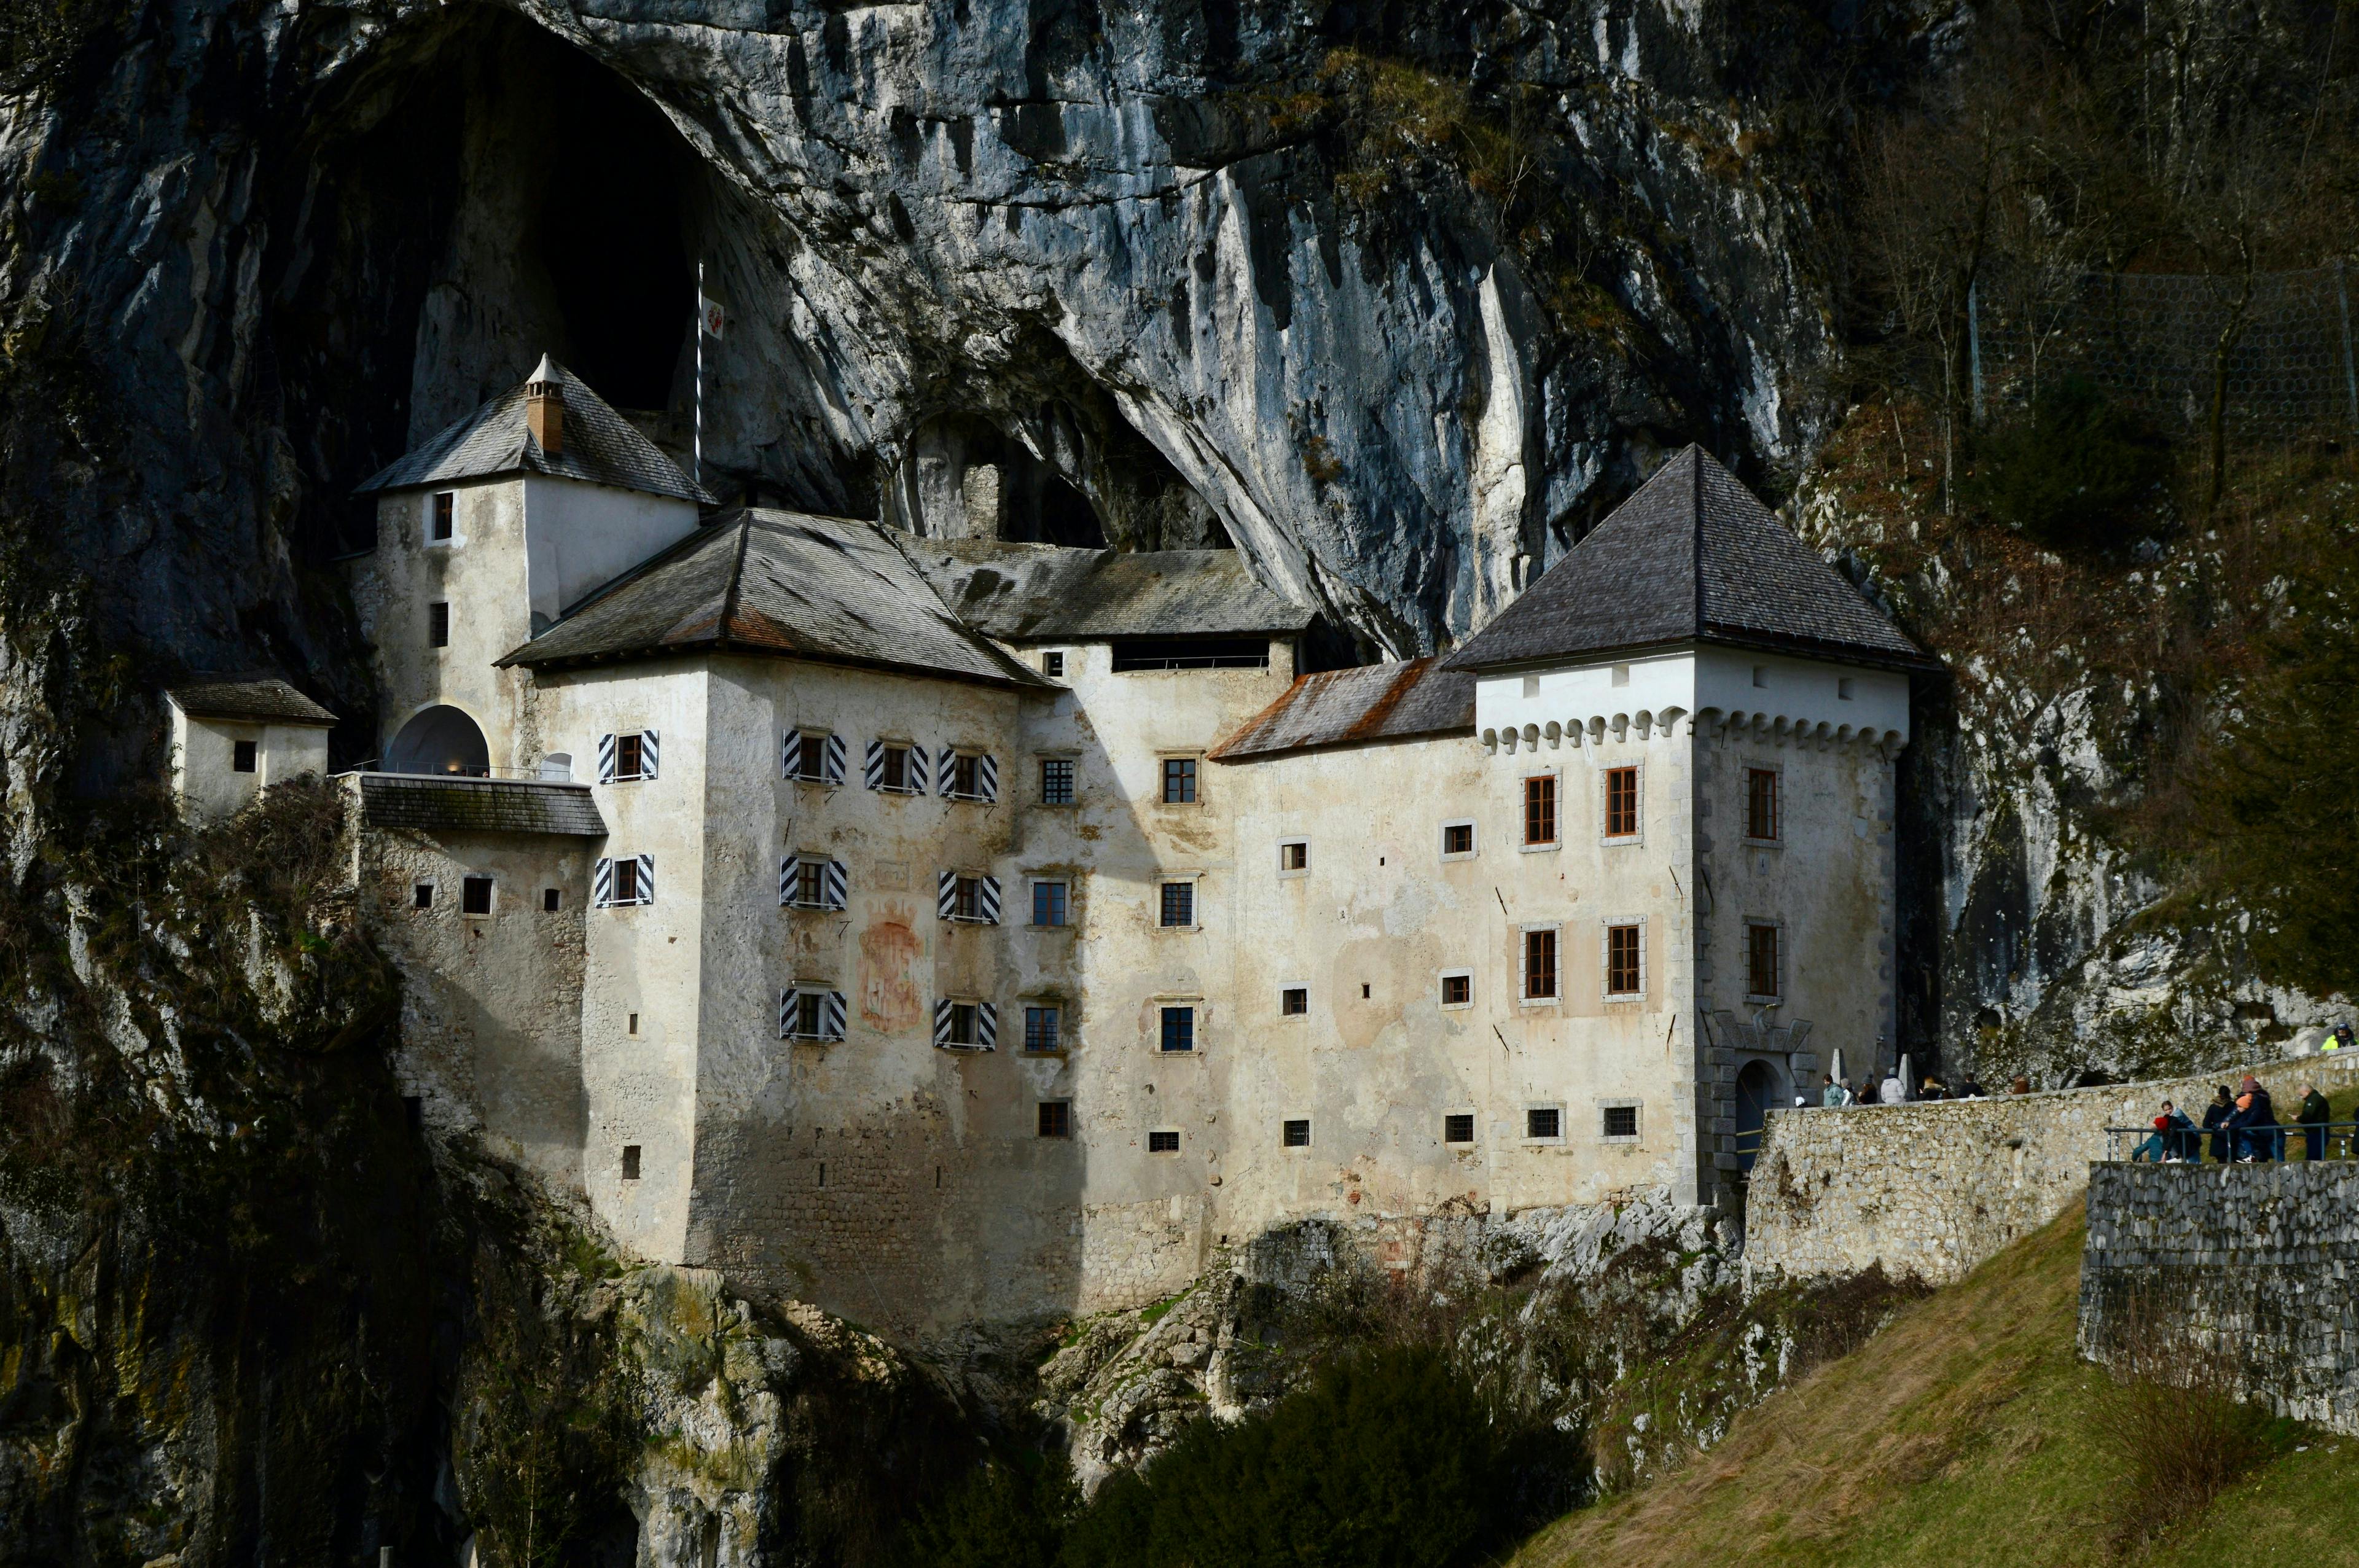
x=709 y=311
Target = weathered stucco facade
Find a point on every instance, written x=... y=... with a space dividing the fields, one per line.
x=952 y=930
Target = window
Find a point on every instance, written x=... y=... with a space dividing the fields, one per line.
x=551 y=900
x=1761 y=675
x=1178 y=1031
x=806 y=1020
x=437 y=624
x=1532 y=685
x=963 y=1025
x=1539 y=809
x=627 y=882
x=1621 y=674
x=1056 y=1119
x=1056 y=781
x=241 y=756
x=630 y=754
x=475 y=895
x=625 y=757
x=896 y=769
x=1052 y=664
x=1621 y=803
x=1618 y=1123
x=1761 y=804
x=809 y=883
x=1190 y=654
x=1293 y=855
x=630 y=1161
x=1624 y=975
x=966 y=777
x=1761 y=960
x=1044 y=1028
x=1163 y=1140
x=813 y=757
x=1539 y=965
x=630 y=1025
x=1049 y=905
x=1458 y=1127
x=1178 y=780
x=626 y=879
x=966 y=901
x=1842 y=687
x=1544 y=1123
x=422 y=896
x=1294 y=1001
x=1179 y=905
x=446 y=507
x=1297 y=1132
x=958 y=897
x=1458 y=989
x=1457 y=840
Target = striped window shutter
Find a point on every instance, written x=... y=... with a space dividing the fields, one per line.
x=606 y=759
x=874 y=769
x=987 y=1026
x=986 y=774
x=917 y=774
x=791 y=754
x=835 y=885
x=942 y=1022
x=949 y=771
x=791 y=870
x=647 y=879
x=647 y=754
x=831 y=1023
x=787 y=1020
x=991 y=900
x=601 y=880
x=833 y=759
x=946 y=895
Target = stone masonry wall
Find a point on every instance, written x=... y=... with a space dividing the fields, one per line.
x=1932 y=1190
x=2252 y=1266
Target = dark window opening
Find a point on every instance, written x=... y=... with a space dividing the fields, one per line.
x=1056 y=1119
x=1761 y=959
x=1179 y=905
x=1049 y=903
x=1539 y=809
x=627 y=882
x=1457 y=990
x=1163 y=1144
x=243 y=756
x=445 y=514
x=1457 y=838
x=1539 y=965
x=629 y=754
x=475 y=895
x=1190 y=654
x=1761 y=803
x=1621 y=803
x=895 y=773
x=1178 y=1030
x=1294 y=1001
x=422 y=896
x=1057 y=781
x=1294 y=857
x=1621 y=1121
x=1297 y=1133
x=551 y=900
x=1052 y=664
x=1458 y=1129
x=630 y=1161
x=1543 y=1121
x=1044 y=1030
x=1178 y=780
x=437 y=624
x=1623 y=975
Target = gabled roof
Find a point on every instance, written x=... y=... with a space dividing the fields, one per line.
x=1691 y=556
x=1048 y=593
x=257 y=700
x=827 y=589
x=1342 y=708
x=600 y=446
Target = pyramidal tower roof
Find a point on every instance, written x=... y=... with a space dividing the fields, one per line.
x=601 y=447
x=1692 y=557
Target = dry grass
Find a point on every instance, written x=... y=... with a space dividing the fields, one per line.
x=2173 y=1419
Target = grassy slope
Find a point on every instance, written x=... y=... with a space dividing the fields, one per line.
x=1966 y=1434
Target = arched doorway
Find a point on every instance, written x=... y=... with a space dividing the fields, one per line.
x=1759 y=1088
x=439 y=739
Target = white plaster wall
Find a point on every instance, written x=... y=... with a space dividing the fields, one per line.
x=579 y=535
x=1709 y=680
x=205 y=781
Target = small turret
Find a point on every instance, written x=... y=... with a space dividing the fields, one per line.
x=544 y=408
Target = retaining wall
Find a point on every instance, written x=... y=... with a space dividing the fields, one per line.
x=1932 y=1190
x=2248 y=1269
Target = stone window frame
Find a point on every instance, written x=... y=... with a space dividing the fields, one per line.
x=1195 y=880
x=1782 y=959
x=1066 y=1026
x=1197 y=779
x=1197 y=1033
x=433 y=886
x=1287 y=987
x=1637 y=770
x=1062 y=877
x=1474 y=839
x=491 y=895
x=1473 y=1126
x=1523 y=812
x=1043 y=756
x=1284 y=873
x=1287 y=1122
x=1173 y=1133
x=1606 y=926
x=1776 y=805
x=1559 y=1140
x=1062 y=1115
x=1638 y=1120
x=1443 y=978
x=1523 y=961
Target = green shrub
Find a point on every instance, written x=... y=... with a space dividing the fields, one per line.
x=1005 y=1515
x=2072 y=474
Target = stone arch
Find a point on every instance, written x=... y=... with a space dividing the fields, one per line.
x=1759 y=1086
x=439 y=739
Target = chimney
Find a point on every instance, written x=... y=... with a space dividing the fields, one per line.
x=544 y=408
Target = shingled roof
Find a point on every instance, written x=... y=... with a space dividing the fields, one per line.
x=1342 y=708
x=600 y=446
x=484 y=806
x=828 y=589
x=259 y=699
x=1050 y=593
x=1691 y=556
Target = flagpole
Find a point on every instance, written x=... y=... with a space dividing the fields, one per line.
x=699 y=372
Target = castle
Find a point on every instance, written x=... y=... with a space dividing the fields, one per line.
x=950 y=929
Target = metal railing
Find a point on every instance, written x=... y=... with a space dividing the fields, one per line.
x=2234 y=1145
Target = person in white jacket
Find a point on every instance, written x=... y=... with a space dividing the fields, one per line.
x=1891 y=1091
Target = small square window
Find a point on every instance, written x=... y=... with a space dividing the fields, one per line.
x=446 y=507
x=437 y=624
x=1842 y=687
x=243 y=756
x=1178 y=780
x=1761 y=675
x=422 y=896
x=1294 y=855
x=1163 y=1141
x=1543 y=1122
x=475 y=895
x=1539 y=809
x=1056 y=1119
x=1621 y=803
x=1539 y=965
x=1458 y=1127
x=1297 y=1133
x=1056 y=781
x=551 y=900
x=1052 y=664
x=1043 y=1029
x=630 y=1161
x=1178 y=910
x=1457 y=838
x=1457 y=990
x=1178 y=1031
x=1620 y=1122
x=1048 y=904
x=1294 y=1001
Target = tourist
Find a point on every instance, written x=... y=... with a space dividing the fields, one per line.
x=1932 y=1090
x=1831 y=1096
x=1891 y=1091
x=1968 y=1089
x=2180 y=1142
x=2151 y=1147
x=1867 y=1089
x=2255 y=1123
x=1851 y=1095
x=2021 y=1086
x=2313 y=1117
x=2215 y=1122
